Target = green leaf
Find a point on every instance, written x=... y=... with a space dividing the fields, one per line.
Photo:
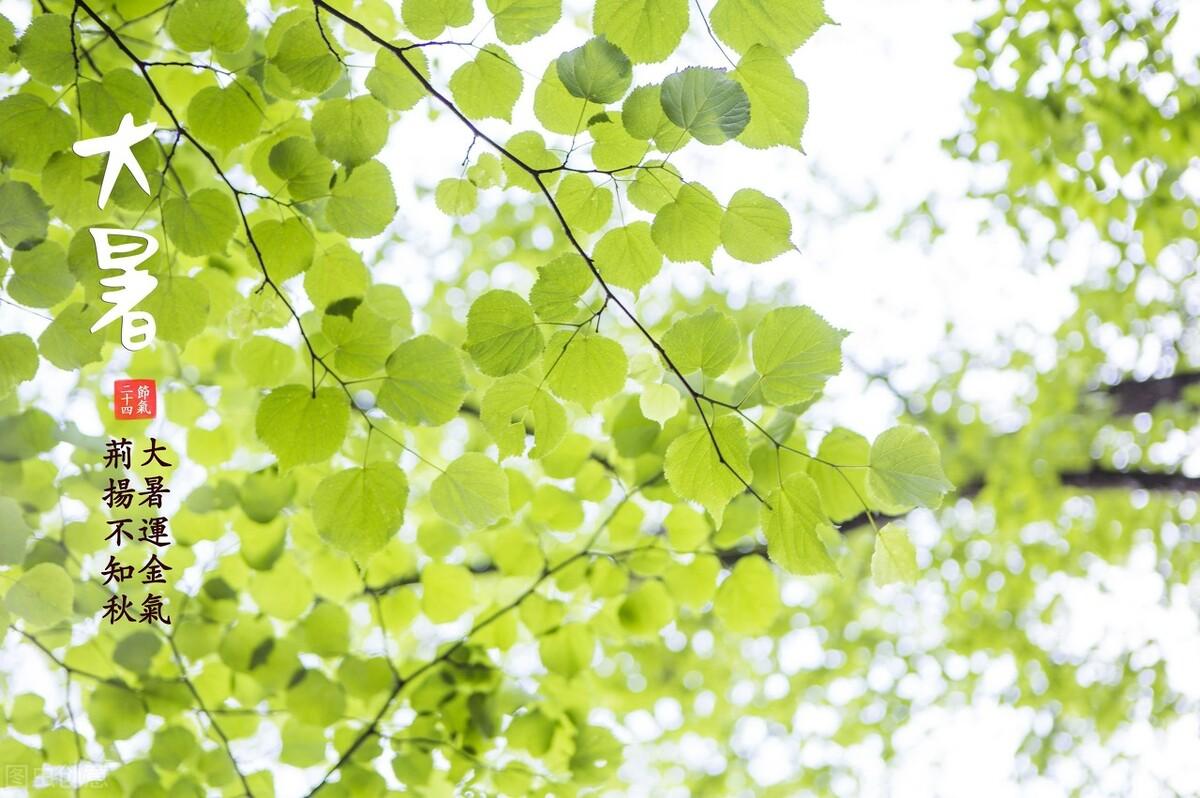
x=315 y=699
x=28 y=715
x=795 y=352
x=18 y=361
x=510 y=404
x=116 y=712
x=283 y=592
x=199 y=25
x=69 y=188
x=687 y=528
x=262 y=496
x=301 y=428
x=894 y=558
x=200 y=223
x=286 y=246
x=361 y=341
x=778 y=100
x=425 y=382
x=689 y=228
x=308 y=173
x=530 y=147
x=906 y=470
x=541 y=615
x=27 y=434
x=755 y=228
x=389 y=302
x=642 y=113
x=180 y=307
x=706 y=342
x=23 y=215
x=351 y=131
x=627 y=256
x=244 y=645
x=30 y=131
x=790 y=520
x=42 y=596
x=782 y=25
x=304 y=58
x=106 y=101
x=693 y=585
x=446 y=591
x=518 y=21
x=428 y=18
x=486 y=172
x=455 y=196
x=45 y=50
x=337 y=273
x=364 y=204
x=487 y=87
x=555 y=107
x=556 y=508
x=614 y=149
x=660 y=402
x=392 y=83
x=706 y=103
x=584 y=367
x=586 y=206
x=646 y=609
x=748 y=601
x=596 y=71
x=567 y=651
x=844 y=490
x=559 y=286
x=40 y=277
x=327 y=630
x=359 y=510
x=695 y=470
x=68 y=342
x=472 y=491
x=8 y=40
x=533 y=731
x=137 y=650
x=502 y=336
x=173 y=745
x=264 y=362
x=647 y=30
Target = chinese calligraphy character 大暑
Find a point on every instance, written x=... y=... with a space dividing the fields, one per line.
x=114 y=252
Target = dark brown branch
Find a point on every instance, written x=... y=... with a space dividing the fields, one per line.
x=414 y=578
x=1097 y=478
x=1110 y=479
x=1134 y=396
x=1094 y=479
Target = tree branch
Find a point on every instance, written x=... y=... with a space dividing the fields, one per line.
x=1101 y=478
x=212 y=722
x=1134 y=396
x=537 y=176
x=548 y=571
